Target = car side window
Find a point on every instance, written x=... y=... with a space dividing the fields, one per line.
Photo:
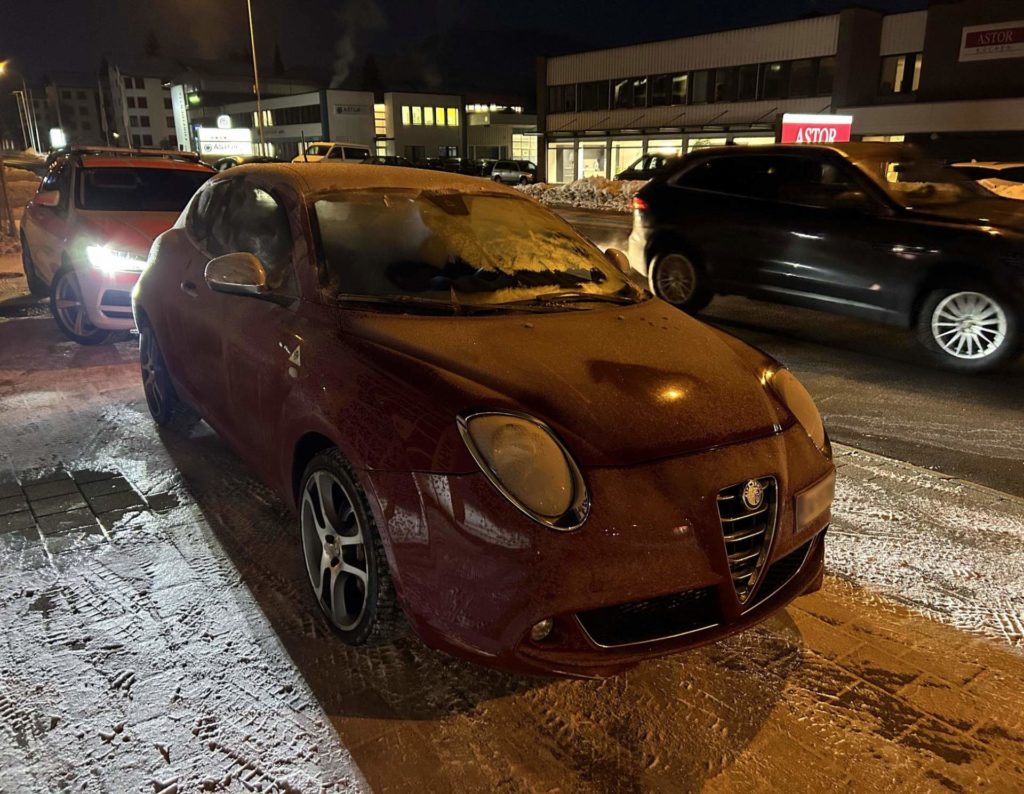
x=737 y=176
x=352 y=153
x=254 y=222
x=337 y=153
x=816 y=183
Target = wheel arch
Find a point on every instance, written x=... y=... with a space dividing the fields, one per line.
x=306 y=448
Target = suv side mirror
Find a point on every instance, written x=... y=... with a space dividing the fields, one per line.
x=619 y=259
x=237 y=274
x=47 y=198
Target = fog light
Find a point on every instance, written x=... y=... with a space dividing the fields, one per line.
x=540 y=631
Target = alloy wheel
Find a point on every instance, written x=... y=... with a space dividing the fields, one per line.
x=334 y=548
x=152 y=373
x=969 y=325
x=675 y=279
x=71 y=306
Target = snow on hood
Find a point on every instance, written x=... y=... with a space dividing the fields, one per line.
x=621 y=385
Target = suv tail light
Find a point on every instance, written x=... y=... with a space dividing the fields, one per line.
x=638 y=204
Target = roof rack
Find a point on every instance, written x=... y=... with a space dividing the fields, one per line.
x=113 y=151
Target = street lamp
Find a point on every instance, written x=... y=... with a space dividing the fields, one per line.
x=30 y=112
x=256 y=78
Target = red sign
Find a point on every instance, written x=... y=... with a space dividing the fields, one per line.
x=989 y=42
x=811 y=128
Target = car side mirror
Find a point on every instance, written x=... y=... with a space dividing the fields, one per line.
x=48 y=198
x=619 y=259
x=237 y=274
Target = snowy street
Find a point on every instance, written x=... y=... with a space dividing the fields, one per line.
x=159 y=635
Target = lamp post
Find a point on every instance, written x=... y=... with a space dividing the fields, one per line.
x=256 y=78
x=30 y=112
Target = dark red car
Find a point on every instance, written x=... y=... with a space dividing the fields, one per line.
x=480 y=420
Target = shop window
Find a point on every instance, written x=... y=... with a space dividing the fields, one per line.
x=801 y=78
x=622 y=93
x=640 y=86
x=725 y=84
x=826 y=74
x=593 y=160
x=453 y=117
x=746 y=88
x=700 y=87
x=594 y=96
x=680 y=89
x=901 y=74
x=561 y=162
x=624 y=154
x=661 y=90
x=774 y=79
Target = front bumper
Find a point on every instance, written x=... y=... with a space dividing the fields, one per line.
x=475 y=575
x=108 y=297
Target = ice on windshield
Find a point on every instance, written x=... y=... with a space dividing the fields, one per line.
x=450 y=246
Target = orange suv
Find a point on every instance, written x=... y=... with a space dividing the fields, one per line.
x=86 y=234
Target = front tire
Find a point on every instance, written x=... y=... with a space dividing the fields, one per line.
x=344 y=556
x=968 y=328
x=677 y=279
x=156 y=382
x=68 y=308
x=36 y=285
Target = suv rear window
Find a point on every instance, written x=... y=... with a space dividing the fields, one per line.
x=137 y=189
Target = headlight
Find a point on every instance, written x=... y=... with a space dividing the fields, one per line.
x=529 y=465
x=110 y=261
x=800 y=403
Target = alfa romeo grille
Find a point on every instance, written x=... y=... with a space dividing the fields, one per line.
x=747 y=511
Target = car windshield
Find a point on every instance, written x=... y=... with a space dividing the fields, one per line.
x=922 y=183
x=137 y=189
x=460 y=250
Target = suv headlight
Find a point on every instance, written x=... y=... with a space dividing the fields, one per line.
x=527 y=463
x=111 y=261
x=800 y=403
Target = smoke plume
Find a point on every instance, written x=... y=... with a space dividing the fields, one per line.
x=354 y=18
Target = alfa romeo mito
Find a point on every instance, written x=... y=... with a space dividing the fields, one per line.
x=485 y=427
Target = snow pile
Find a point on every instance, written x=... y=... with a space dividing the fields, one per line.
x=594 y=192
x=21 y=187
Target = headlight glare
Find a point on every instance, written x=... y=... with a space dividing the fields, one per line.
x=800 y=403
x=110 y=260
x=526 y=462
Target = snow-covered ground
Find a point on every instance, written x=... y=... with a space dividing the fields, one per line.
x=591 y=193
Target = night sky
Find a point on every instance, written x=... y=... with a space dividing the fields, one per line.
x=461 y=45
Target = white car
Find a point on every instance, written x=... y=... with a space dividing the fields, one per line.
x=1003 y=179
x=333 y=152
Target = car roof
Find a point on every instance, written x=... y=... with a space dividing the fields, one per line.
x=853 y=150
x=141 y=162
x=316 y=178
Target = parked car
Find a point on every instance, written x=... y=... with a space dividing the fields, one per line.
x=322 y=151
x=391 y=352
x=649 y=166
x=514 y=172
x=388 y=159
x=231 y=161
x=86 y=234
x=875 y=231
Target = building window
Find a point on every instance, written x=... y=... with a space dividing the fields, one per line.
x=136 y=140
x=143 y=121
x=133 y=121
x=826 y=74
x=901 y=74
x=725 y=84
x=624 y=154
x=439 y=117
x=143 y=103
x=453 y=117
x=380 y=119
x=640 y=86
x=801 y=78
x=65 y=95
x=417 y=116
x=774 y=79
x=680 y=89
x=147 y=140
x=170 y=122
x=85 y=125
x=661 y=91
x=130 y=101
x=622 y=93
x=83 y=110
x=746 y=87
x=562 y=98
x=81 y=94
x=700 y=85
x=406 y=117
x=127 y=82
x=594 y=96
x=428 y=116
x=167 y=103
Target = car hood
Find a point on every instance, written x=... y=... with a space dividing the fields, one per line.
x=1001 y=212
x=133 y=232
x=620 y=384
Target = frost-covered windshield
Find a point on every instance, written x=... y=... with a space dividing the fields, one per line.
x=462 y=249
x=922 y=183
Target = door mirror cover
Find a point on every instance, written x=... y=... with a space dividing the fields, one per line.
x=47 y=198
x=619 y=259
x=237 y=274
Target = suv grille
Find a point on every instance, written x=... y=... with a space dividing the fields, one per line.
x=653 y=619
x=747 y=531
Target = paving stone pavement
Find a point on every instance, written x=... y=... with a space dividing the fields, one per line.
x=173 y=647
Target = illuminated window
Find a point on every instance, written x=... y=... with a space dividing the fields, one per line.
x=439 y=116
x=453 y=117
x=428 y=116
x=417 y=116
x=901 y=74
x=405 y=116
x=680 y=88
x=380 y=119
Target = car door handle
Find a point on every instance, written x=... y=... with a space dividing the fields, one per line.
x=189 y=289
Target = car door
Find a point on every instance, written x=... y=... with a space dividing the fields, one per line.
x=47 y=228
x=260 y=345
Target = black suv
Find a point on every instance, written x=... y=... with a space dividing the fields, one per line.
x=876 y=231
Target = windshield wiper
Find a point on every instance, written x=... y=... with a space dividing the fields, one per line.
x=574 y=296
x=449 y=307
